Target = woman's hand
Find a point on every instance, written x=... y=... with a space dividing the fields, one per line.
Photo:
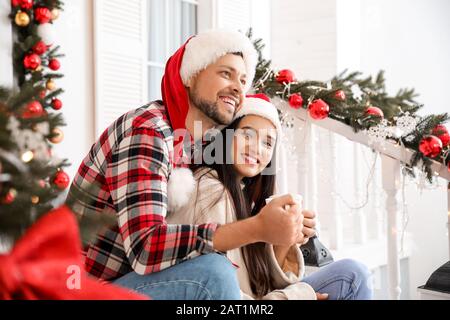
x=322 y=296
x=309 y=225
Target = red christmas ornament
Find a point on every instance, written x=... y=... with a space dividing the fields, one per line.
x=42 y=15
x=442 y=133
x=61 y=180
x=15 y=3
x=10 y=197
x=445 y=138
x=340 y=95
x=57 y=104
x=319 y=109
x=285 y=76
x=40 y=48
x=375 y=111
x=32 y=61
x=430 y=146
x=296 y=101
x=54 y=64
x=26 y=4
x=33 y=110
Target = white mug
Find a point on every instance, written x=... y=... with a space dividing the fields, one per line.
x=297 y=198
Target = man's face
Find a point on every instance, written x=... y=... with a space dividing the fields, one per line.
x=218 y=90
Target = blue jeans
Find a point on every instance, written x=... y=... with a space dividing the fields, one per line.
x=207 y=277
x=343 y=280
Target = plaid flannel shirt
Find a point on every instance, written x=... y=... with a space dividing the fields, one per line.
x=125 y=174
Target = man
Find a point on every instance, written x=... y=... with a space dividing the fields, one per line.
x=126 y=172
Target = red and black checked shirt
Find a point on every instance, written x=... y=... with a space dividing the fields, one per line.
x=125 y=174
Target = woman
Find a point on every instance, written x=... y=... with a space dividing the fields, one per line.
x=233 y=184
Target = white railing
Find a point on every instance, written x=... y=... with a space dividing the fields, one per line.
x=392 y=155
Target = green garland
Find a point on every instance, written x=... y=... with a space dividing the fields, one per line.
x=352 y=110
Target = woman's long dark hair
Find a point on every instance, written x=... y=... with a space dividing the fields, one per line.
x=247 y=202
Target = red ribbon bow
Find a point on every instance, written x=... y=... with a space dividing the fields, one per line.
x=46 y=264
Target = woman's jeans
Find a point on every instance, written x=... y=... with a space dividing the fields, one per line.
x=207 y=277
x=213 y=277
x=343 y=280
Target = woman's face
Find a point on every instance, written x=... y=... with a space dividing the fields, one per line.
x=253 y=145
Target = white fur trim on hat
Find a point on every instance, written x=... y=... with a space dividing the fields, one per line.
x=207 y=47
x=262 y=108
x=180 y=187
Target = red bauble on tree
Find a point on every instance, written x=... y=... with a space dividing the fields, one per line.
x=375 y=111
x=285 y=76
x=340 y=95
x=33 y=110
x=15 y=3
x=54 y=64
x=42 y=15
x=61 y=180
x=10 y=197
x=32 y=61
x=319 y=109
x=442 y=133
x=296 y=101
x=26 y=4
x=57 y=104
x=40 y=48
x=430 y=146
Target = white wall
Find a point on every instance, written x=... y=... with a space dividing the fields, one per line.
x=411 y=41
x=241 y=15
x=74 y=34
x=6 y=67
x=304 y=37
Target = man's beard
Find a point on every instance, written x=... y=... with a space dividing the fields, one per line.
x=210 y=109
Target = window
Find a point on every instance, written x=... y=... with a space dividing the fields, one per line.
x=170 y=24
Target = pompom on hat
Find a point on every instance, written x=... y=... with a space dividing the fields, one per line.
x=194 y=56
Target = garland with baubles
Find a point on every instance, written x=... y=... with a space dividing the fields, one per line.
x=363 y=104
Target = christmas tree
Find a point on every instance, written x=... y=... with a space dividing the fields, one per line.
x=30 y=124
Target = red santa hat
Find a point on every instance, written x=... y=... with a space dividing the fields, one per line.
x=260 y=105
x=194 y=56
